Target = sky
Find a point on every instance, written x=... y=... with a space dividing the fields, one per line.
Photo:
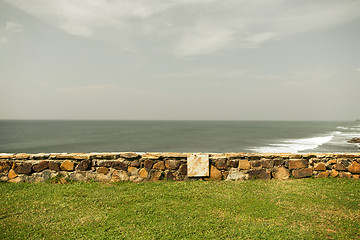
x=180 y=59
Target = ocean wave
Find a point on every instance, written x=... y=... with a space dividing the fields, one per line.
x=294 y=145
x=349 y=128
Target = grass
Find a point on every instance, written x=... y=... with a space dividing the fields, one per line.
x=293 y=209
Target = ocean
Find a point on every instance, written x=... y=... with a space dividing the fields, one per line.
x=34 y=136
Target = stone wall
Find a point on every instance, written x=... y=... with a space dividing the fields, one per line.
x=129 y=166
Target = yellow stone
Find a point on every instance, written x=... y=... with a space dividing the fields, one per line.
x=215 y=174
x=244 y=164
x=143 y=173
x=67 y=166
x=334 y=173
x=12 y=174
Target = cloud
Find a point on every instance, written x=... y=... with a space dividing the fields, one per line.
x=11 y=28
x=190 y=27
x=203 y=39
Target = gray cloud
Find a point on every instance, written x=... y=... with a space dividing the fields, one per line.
x=9 y=30
x=189 y=59
x=191 y=27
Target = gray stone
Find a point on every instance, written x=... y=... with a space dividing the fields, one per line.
x=235 y=175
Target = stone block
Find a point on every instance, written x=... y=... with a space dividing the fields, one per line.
x=345 y=175
x=40 y=166
x=302 y=173
x=169 y=175
x=278 y=161
x=334 y=173
x=3 y=177
x=174 y=155
x=183 y=169
x=16 y=180
x=339 y=167
x=159 y=165
x=67 y=166
x=119 y=175
x=172 y=164
x=24 y=168
x=233 y=163
x=344 y=162
x=356 y=176
x=281 y=173
x=331 y=161
x=324 y=174
x=152 y=156
x=259 y=174
x=105 y=178
x=148 y=163
x=221 y=164
x=215 y=174
x=354 y=167
x=135 y=179
x=198 y=165
x=133 y=171
x=236 y=175
x=297 y=164
x=12 y=174
x=135 y=163
x=244 y=164
x=267 y=163
x=5 y=166
x=22 y=156
x=103 y=170
x=256 y=164
x=119 y=165
x=156 y=175
x=105 y=163
x=143 y=173
x=129 y=155
x=320 y=166
x=84 y=165
x=6 y=156
x=55 y=166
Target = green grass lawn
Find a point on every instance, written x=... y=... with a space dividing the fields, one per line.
x=293 y=209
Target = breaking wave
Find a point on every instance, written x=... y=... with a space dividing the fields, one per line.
x=294 y=145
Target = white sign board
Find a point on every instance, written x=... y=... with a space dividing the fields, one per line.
x=198 y=165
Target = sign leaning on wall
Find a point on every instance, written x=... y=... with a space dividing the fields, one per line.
x=198 y=165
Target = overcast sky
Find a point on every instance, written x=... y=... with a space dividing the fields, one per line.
x=180 y=59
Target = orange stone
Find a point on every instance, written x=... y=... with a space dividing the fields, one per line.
x=334 y=173
x=143 y=173
x=159 y=165
x=323 y=174
x=354 y=167
x=67 y=166
x=320 y=167
x=215 y=174
x=12 y=174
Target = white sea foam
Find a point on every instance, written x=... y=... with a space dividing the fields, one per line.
x=349 y=128
x=294 y=145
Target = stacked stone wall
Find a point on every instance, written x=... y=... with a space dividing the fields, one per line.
x=135 y=167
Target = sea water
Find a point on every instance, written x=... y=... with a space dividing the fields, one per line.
x=32 y=136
